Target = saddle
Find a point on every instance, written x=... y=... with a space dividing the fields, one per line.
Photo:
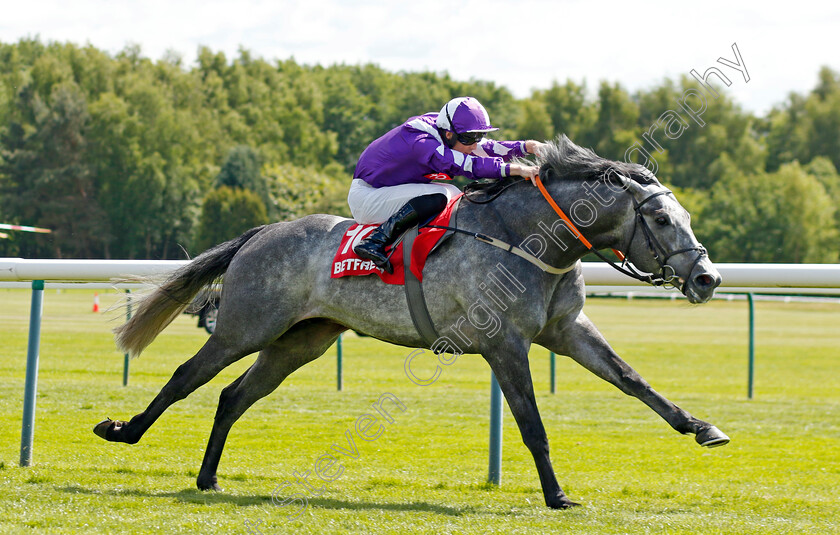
x=420 y=243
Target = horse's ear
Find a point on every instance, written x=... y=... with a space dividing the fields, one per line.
x=631 y=185
x=627 y=183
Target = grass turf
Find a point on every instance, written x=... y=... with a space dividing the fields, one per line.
x=426 y=473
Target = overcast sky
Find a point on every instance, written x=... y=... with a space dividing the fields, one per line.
x=519 y=44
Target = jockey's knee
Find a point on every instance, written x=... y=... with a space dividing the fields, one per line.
x=427 y=206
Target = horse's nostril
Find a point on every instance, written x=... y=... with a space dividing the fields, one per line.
x=704 y=281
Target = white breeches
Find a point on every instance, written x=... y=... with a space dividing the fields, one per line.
x=371 y=205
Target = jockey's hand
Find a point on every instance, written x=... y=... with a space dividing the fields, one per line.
x=530 y=172
x=535 y=147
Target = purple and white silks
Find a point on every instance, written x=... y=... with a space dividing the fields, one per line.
x=415 y=149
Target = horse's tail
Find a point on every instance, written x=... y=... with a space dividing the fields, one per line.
x=157 y=309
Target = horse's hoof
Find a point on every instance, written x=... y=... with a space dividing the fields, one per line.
x=563 y=502
x=209 y=485
x=110 y=430
x=711 y=437
x=101 y=429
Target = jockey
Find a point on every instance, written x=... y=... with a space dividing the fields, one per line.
x=393 y=181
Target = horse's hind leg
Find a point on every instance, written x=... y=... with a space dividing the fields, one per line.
x=301 y=344
x=581 y=340
x=212 y=358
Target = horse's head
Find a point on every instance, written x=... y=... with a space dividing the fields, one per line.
x=661 y=242
x=655 y=233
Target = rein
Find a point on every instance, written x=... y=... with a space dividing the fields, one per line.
x=494 y=194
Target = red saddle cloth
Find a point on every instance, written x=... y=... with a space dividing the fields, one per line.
x=346 y=263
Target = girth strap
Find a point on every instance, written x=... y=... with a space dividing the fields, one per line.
x=414 y=293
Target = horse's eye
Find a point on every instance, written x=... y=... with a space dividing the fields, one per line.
x=661 y=220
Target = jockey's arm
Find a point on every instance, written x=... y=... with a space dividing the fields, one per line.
x=453 y=163
x=507 y=150
x=534 y=147
x=478 y=165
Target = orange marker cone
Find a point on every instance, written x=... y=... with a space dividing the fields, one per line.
x=95 y=302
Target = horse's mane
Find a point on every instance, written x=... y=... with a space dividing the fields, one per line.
x=572 y=162
x=563 y=159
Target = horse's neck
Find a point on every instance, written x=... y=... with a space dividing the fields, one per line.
x=600 y=216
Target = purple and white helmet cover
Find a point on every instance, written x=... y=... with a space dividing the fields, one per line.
x=466 y=115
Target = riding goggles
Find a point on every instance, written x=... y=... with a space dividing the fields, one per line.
x=468 y=138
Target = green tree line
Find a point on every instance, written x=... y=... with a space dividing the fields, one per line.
x=126 y=157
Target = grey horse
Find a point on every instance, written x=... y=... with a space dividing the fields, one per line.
x=278 y=298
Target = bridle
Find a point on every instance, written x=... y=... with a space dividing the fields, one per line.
x=660 y=254
x=666 y=276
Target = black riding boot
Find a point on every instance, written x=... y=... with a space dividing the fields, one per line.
x=373 y=246
x=415 y=211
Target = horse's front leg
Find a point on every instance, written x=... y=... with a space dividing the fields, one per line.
x=581 y=340
x=510 y=365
